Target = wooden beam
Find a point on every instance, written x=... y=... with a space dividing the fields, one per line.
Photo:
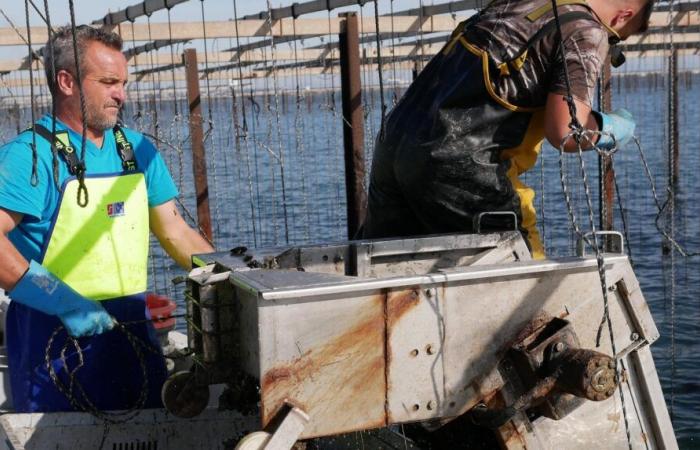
x=255 y=28
x=199 y=162
x=304 y=27
x=353 y=124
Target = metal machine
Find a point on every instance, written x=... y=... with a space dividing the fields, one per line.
x=328 y=339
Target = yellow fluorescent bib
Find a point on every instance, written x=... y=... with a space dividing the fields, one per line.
x=101 y=250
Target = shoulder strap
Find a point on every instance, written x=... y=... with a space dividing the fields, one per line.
x=61 y=142
x=125 y=149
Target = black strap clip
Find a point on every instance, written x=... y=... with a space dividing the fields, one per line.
x=125 y=149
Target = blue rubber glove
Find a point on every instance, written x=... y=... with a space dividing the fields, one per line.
x=40 y=289
x=619 y=123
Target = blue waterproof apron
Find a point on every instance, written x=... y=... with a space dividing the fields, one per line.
x=101 y=251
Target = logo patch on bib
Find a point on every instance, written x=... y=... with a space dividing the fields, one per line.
x=115 y=209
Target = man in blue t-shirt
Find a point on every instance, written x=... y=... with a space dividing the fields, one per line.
x=74 y=237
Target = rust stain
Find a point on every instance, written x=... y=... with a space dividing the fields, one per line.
x=400 y=302
x=341 y=384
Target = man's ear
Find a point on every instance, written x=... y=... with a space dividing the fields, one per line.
x=622 y=17
x=65 y=83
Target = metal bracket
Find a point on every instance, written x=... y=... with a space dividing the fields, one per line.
x=612 y=242
x=480 y=216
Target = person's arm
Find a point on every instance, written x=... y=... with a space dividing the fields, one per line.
x=178 y=239
x=12 y=263
x=618 y=123
x=33 y=285
x=558 y=118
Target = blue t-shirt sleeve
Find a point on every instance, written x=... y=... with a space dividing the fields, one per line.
x=159 y=182
x=16 y=191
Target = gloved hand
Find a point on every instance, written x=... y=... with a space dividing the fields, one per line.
x=40 y=289
x=618 y=123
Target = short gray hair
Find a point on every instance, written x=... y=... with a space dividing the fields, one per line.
x=59 y=55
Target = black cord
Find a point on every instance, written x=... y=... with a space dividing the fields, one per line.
x=54 y=150
x=379 y=70
x=34 y=177
x=574 y=124
x=80 y=170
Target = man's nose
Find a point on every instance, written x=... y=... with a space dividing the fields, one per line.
x=119 y=93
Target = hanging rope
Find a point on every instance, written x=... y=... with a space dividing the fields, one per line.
x=299 y=132
x=155 y=87
x=136 y=69
x=280 y=152
x=34 y=181
x=581 y=135
x=379 y=67
x=54 y=150
x=172 y=58
x=243 y=131
x=80 y=170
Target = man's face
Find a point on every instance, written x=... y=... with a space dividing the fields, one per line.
x=104 y=79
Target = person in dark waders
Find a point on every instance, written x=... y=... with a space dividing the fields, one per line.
x=475 y=118
x=75 y=236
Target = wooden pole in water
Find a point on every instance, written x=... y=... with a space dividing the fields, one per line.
x=353 y=125
x=199 y=164
x=673 y=122
x=607 y=175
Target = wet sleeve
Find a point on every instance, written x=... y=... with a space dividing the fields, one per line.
x=159 y=182
x=586 y=48
x=16 y=191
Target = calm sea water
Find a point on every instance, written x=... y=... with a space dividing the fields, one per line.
x=275 y=170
